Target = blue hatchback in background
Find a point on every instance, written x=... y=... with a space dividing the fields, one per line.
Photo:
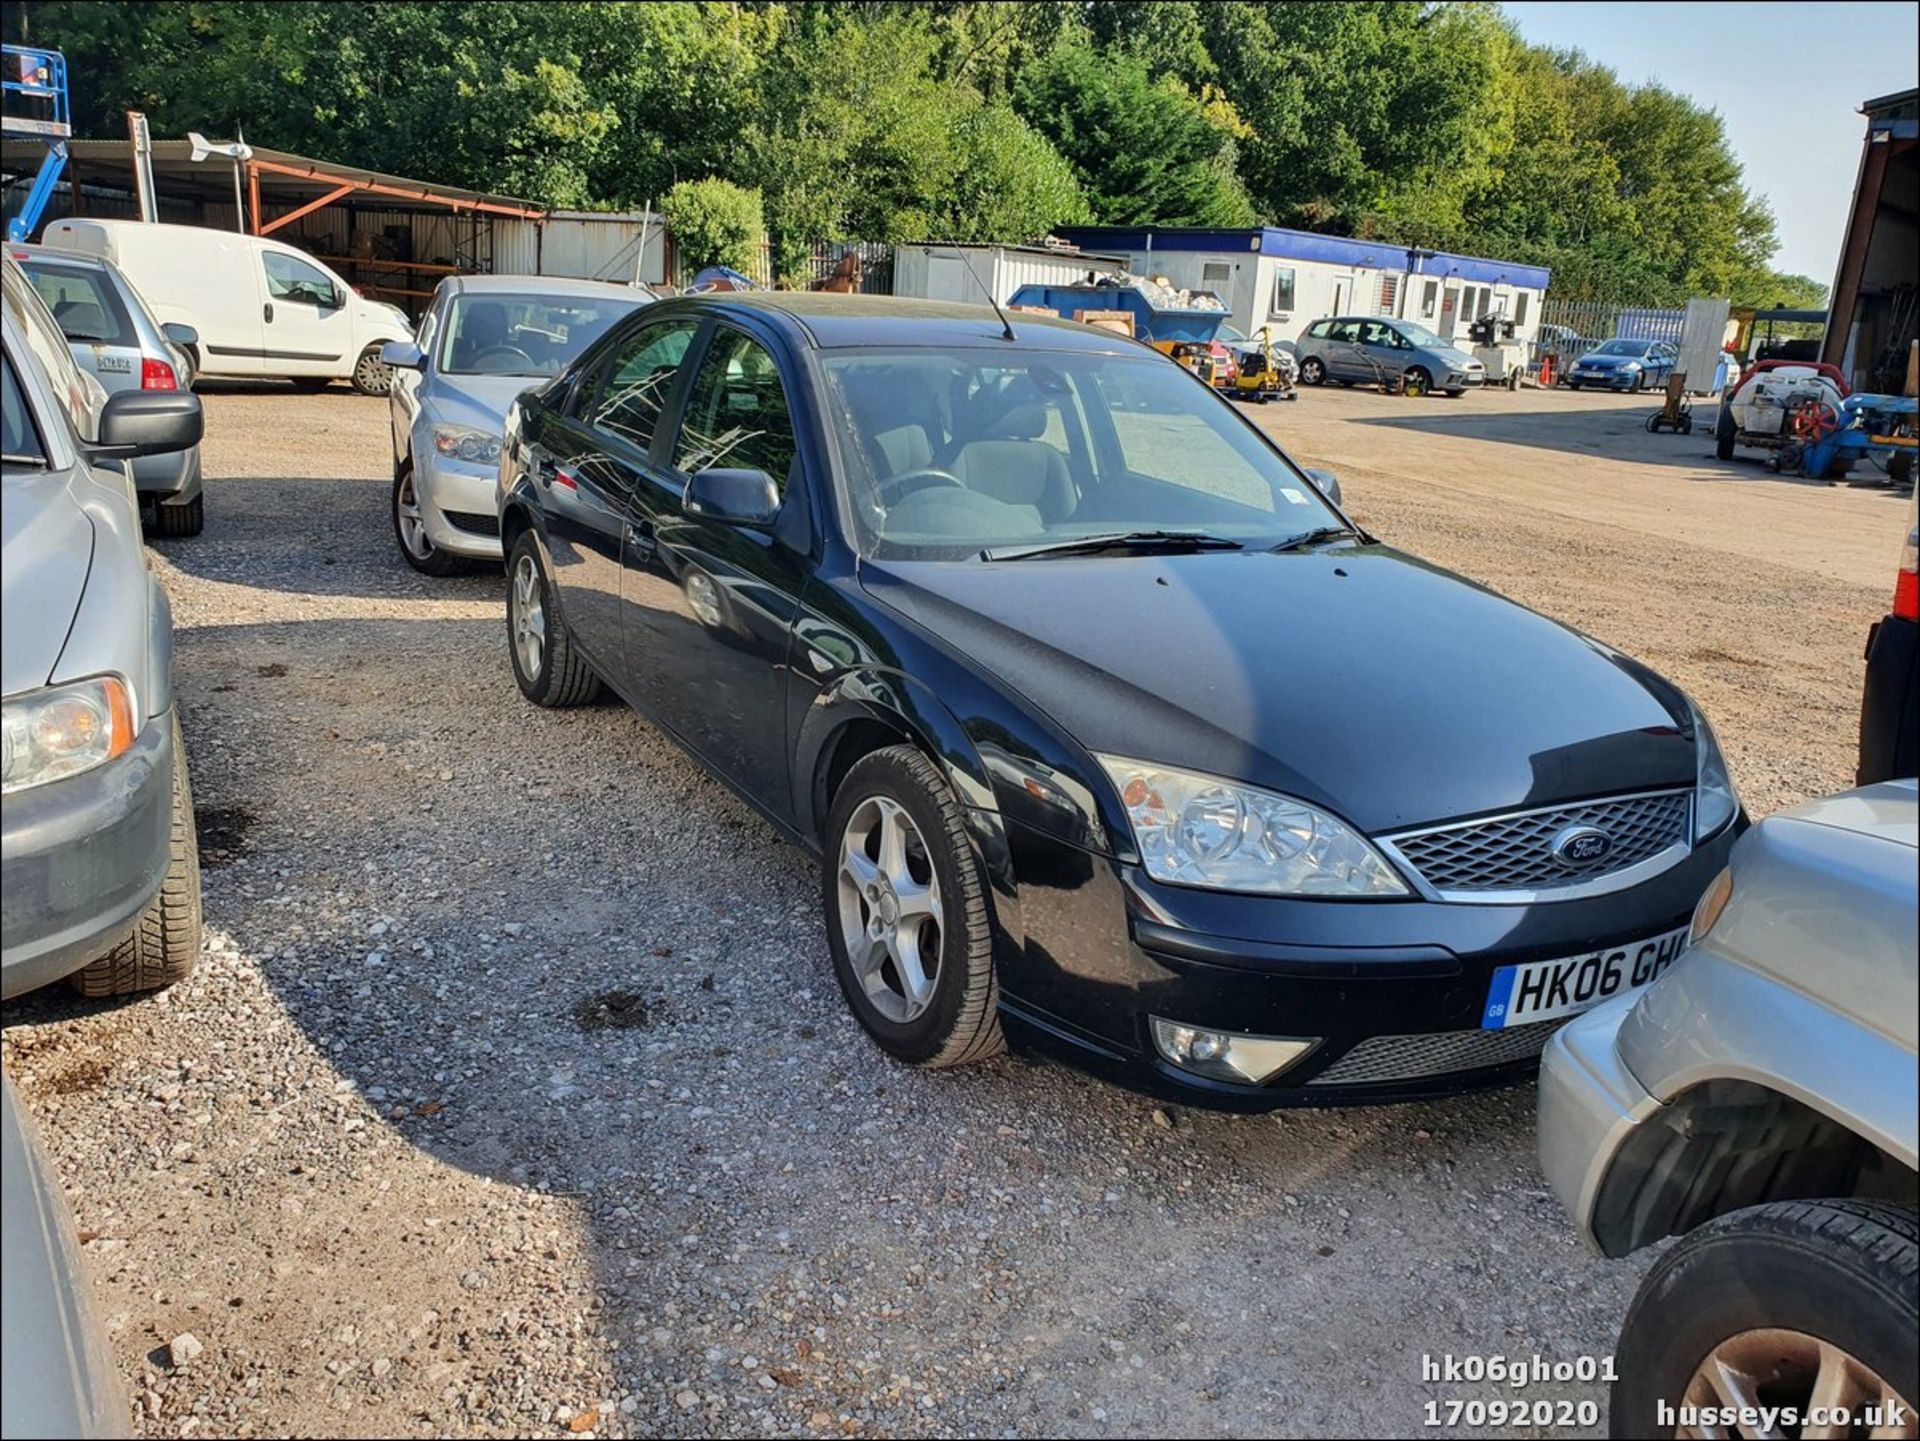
x=1624 y=365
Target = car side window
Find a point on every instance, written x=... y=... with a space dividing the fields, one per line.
x=1344 y=330
x=626 y=398
x=1319 y=329
x=290 y=278
x=737 y=415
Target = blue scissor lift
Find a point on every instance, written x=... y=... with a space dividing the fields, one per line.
x=36 y=109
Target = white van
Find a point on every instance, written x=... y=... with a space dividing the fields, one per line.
x=262 y=308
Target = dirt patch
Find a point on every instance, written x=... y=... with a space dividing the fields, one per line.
x=612 y=1011
x=223 y=833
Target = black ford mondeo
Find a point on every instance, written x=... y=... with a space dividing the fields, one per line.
x=1111 y=731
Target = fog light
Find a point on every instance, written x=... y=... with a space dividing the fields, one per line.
x=1228 y=1055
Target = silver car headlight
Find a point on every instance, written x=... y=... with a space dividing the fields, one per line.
x=1714 y=801
x=47 y=735
x=1200 y=830
x=463 y=442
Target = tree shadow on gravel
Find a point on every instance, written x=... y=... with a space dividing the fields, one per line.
x=543 y=950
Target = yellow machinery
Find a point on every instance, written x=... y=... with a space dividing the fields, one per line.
x=1265 y=373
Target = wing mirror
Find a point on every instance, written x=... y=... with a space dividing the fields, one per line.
x=734 y=497
x=1328 y=482
x=148 y=422
x=179 y=334
x=402 y=355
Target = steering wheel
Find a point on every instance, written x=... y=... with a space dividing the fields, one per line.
x=512 y=354
x=896 y=488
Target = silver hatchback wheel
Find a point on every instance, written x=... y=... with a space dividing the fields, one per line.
x=406 y=515
x=529 y=618
x=891 y=918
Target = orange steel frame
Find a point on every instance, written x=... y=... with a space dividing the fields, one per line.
x=345 y=186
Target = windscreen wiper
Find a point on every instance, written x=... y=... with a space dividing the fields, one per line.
x=1317 y=535
x=1132 y=542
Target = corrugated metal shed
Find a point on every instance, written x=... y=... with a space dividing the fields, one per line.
x=935 y=271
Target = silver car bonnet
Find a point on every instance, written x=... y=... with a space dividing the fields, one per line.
x=477 y=400
x=48 y=546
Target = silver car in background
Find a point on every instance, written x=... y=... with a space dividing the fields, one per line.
x=114 y=338
x=483 y=340
x=1380 y=350
x=1759 y=1101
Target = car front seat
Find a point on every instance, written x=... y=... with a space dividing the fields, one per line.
x=1019 y=470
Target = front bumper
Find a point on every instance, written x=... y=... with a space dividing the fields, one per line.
x=1609 y=379
x=457 y=501
x=1590 y=1104
x=1394 y=991
x=81 y=858
x=1465 y=379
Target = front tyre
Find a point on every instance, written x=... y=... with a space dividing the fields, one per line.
x=410 y=530
x=1313 y=371
x=906 y=912
x=547 y=665
x=1417 y=381
x=1725 y=432
x=371 y=374
x=1793 y=1303
x=166 y=940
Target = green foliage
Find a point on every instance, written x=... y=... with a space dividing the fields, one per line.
x=715 y=222
x=1424 y=123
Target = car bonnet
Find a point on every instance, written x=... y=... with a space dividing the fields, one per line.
x=48 y=549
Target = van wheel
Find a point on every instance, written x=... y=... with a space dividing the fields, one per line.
x=371 y=374
x=166 y=941
x=180 y=520
x=1794 y=1303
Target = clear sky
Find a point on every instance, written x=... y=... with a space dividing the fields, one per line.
x=1788 y=80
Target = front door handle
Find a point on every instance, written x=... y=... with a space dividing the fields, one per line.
x=266 y=312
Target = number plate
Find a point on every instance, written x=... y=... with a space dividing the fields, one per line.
x=1544 y=990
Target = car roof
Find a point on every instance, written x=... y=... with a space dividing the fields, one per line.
x=824 y=320
x=74 y=259
x=541 y=285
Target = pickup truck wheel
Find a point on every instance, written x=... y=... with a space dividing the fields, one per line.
x=547 y=666
x=1792 y=1303
x=1724 y=434
x=166 y=941
x=371 y=374
x=174 y=521
x=906 y=912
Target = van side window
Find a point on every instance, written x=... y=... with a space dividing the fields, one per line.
x=290 y=278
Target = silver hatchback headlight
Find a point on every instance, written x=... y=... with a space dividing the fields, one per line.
x=1200 y=830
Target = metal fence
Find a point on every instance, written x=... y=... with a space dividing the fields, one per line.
x=862 y=266
x=1597 y=320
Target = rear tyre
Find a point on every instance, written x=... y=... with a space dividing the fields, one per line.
x=906 y=913
x=1724 y=434
x=371 y=374
x=1808 y=1302
x=166 y=941
x=548 y=667
x=410 y=530
x=177 y=521
x=1313 y=371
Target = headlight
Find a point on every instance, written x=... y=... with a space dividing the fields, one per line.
x=1714 y=802
x=63 y=730
x=462 y=442
x=1198 y=830
x=1631 y=366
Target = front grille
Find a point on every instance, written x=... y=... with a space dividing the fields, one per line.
x=1515 y=853
x=472 y=522
x=1380 y=1059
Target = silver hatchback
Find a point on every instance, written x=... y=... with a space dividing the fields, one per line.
x=115 y=339
x=1759 y=1101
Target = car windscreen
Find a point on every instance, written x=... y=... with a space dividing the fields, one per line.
x=20 y=436
x=1623 y=347
x=1419 y=334
x=84 y=303
x=493 y=334
x=951 y=452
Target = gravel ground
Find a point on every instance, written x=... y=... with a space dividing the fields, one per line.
x=514 y=1093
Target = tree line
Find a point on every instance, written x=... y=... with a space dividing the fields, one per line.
x=1431 y=124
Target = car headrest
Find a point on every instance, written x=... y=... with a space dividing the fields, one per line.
x=1023 y=422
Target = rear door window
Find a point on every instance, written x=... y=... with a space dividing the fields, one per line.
x=84 y=303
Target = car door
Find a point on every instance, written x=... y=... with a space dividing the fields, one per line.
x=1382 y=352
x=307 y=329
x=709 y=606
x=588 y=453
x=1344 y=358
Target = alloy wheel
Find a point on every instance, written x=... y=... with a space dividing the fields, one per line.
x=413 y=527
x=1774 y=1367
x=891 y=918
x=529 y=618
